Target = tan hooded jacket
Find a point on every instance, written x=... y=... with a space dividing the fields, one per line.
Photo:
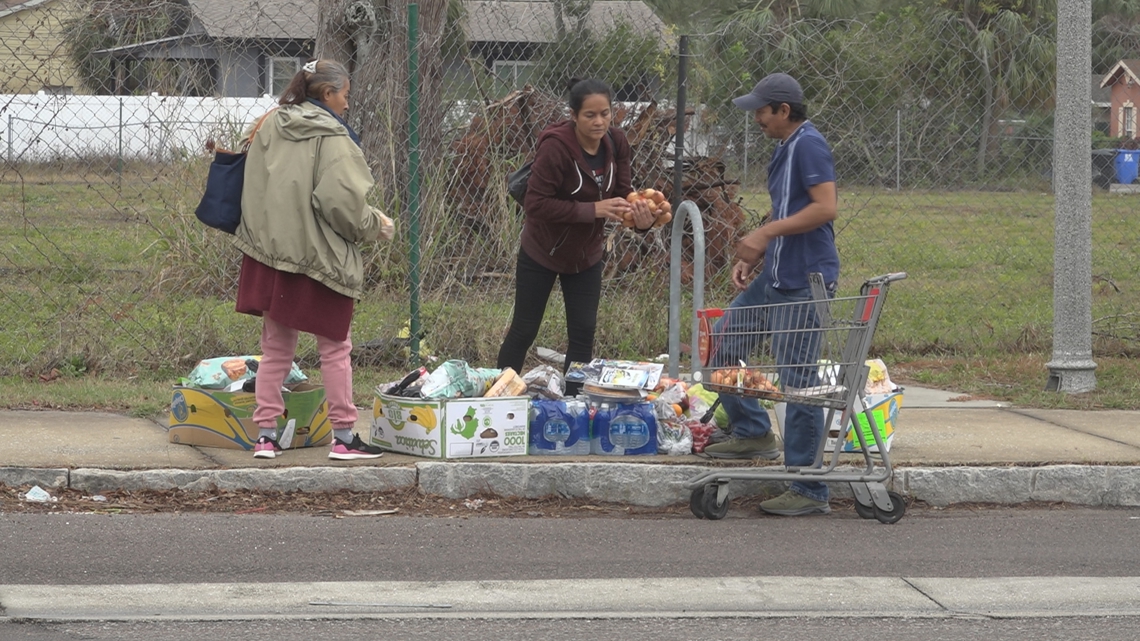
x=303 y=207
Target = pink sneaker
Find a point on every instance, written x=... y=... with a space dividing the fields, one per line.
x=357 y=449
x=265 y=447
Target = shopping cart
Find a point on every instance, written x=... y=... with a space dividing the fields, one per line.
x=808 y=353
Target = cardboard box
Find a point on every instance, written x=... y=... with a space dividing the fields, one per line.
x=217 y=418
x=451 y=428
x=885 y=408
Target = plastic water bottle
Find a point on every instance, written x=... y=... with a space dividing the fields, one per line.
x=559 y=427
x=579 y=441
x=624 y=429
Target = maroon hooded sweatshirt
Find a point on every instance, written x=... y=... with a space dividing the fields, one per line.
x=561 y=232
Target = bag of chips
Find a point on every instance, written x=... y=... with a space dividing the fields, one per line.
x=224 y=371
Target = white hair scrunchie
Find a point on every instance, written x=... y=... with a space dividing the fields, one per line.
x=310 y=67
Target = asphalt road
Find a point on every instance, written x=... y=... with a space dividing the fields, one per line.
x=939 y=571
x=190 y=548
x=790 y=629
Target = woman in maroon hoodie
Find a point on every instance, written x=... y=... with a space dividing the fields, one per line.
x=578 y=182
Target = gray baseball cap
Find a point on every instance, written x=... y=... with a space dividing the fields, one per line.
x=774 y=88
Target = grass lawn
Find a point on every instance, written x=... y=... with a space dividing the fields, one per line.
x=1017 y=379
x=114 y=286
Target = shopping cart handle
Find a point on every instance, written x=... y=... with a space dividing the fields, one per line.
x=887 y=278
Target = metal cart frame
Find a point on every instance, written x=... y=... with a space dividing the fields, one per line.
x=832 y=336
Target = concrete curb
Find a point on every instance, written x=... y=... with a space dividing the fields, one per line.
x=623 y=483
x=43 y=477
x=852 y=597
x=305 y=479
x=1077 y=484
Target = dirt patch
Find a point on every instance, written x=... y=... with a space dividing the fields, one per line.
x=406 y=502
x=409 y=502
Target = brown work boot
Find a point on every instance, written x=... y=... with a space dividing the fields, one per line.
x=766 y=447
x=791 y=504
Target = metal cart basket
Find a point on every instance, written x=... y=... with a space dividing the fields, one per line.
x=808 y=353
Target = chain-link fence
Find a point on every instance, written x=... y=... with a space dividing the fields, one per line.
x=939 y=116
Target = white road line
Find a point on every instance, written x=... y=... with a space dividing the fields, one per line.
x=594 y=598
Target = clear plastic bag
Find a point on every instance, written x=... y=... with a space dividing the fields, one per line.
x=878 y=380
x=673 y=437
x=700 y=400
x=677 y=393
x=457 y=379
x=544 y=382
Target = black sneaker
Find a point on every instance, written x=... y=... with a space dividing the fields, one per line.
x=357 y=449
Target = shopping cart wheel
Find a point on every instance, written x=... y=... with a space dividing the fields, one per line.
x=696 y=502
x=713 y=512
x=895 y=513
x=865 y=511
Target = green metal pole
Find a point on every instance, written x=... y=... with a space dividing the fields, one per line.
x=414 y=177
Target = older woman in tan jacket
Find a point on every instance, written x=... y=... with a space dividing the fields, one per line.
x=304 y=216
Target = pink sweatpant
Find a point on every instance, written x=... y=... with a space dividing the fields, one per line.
x=278 y=347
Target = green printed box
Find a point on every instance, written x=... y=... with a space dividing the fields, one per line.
x=217 y=418
x=451 y=429
x=885 y=409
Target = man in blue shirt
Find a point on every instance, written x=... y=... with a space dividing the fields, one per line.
x=797 y=240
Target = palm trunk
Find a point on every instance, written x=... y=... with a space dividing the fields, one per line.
x=987 y=117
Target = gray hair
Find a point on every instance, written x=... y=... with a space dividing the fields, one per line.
x=327 y=75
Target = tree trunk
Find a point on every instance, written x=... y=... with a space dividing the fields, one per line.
x=987 y=117
x=371 y=38
x=334 y=38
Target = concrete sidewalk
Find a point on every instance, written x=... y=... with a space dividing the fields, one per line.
x=947 y=449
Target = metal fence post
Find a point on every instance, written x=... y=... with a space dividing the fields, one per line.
x=687 y=210
x=414 y=180
x=1072 y=368
x=119 y=169
x=898 y=150
x=679 y=140
x=744 y=176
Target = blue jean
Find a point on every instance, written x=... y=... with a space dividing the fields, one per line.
x=793 y=351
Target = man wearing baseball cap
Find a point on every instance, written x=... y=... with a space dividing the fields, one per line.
x=798 y=239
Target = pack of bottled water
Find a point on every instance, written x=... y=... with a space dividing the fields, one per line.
x=559 y=427
x=623 y=429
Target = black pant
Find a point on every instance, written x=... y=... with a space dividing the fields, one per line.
x=533 y=284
